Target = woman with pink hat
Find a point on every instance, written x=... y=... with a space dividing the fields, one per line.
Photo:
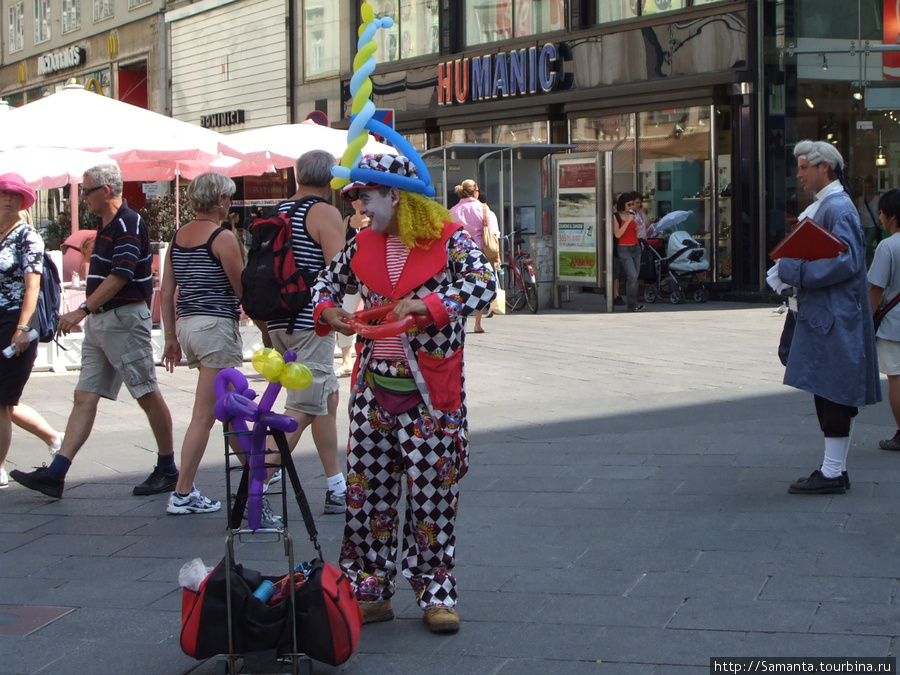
x=21 y=264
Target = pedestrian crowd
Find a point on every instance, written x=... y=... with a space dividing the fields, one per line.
x=399 y=251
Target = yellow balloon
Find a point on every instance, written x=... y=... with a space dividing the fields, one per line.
x=259 y=358
x=367 y=12
x=296 y=376
x=273 y=366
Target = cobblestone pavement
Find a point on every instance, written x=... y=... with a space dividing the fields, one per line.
x=626 y=511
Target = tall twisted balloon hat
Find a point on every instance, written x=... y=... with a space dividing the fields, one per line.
x=352 y=166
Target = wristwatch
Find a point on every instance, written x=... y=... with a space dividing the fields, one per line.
x=83 y=306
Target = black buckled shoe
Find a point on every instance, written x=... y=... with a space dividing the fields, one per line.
x=844 y=476
x=40 y=481
x=157 y=482
x=818 y=484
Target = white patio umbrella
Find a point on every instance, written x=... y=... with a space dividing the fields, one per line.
x=282 y=144
x=146 y=145
x=45 y=168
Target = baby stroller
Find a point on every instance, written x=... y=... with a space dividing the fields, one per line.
x=674 y=272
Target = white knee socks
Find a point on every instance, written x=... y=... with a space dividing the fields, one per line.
x=836 y=450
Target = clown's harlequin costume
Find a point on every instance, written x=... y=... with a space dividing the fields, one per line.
x=407 y=406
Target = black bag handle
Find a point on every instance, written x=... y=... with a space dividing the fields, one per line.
x=287 y=463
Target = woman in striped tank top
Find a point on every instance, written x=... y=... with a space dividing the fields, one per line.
x=204 y=264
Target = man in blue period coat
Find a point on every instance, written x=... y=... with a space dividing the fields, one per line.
x=832 y=354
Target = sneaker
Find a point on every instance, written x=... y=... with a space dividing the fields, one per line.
x=891 y=443
x=818 y=484
x=618 y=301
x=157 y=482
x=40 y=480
x=55 y=447
x=375 y=612
x=269 y=520
x=4 y=479
x=275 y=477
x=441 y=619
x=335 y=503
x=194 y=502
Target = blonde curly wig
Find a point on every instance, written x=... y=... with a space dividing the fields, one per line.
x=421 y=220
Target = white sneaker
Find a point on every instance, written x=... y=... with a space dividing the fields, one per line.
x=194 y=502
x=4 y=479
x=54 y=447
x=269 y=519
x=275 y=477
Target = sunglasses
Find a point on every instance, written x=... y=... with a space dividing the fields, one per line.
x=85 y=193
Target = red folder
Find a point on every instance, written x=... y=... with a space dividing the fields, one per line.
x=808 y=241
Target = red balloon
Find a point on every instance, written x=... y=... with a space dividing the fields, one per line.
x=386 y=327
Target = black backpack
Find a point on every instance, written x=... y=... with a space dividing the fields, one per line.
x=274 y=287
x=46 y=315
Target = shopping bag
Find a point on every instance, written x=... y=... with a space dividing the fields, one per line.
x=498 y=304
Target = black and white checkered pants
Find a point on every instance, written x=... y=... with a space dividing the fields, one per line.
x=383 y=450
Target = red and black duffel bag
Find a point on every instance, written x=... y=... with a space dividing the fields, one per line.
x=327 y=614
x=328 y=617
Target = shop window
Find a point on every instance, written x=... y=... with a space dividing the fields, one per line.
x=469 y=135
x=416 y=30
x=615 y=10
x=134 y=4
x=103 y=9
x=839 y=19
x=649 y=7
x=71 y=15
x=494 y=20
x=17 y=27
x=418 y=141
x=524 y=132
x=41 y=21
x=321 y=32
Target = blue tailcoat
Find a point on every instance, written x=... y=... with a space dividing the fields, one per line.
x=833 y=352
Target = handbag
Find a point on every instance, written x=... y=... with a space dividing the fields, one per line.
x=787 y=336
x=491 y=246
x=326 y=613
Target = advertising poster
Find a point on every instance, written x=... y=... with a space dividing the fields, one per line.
x=891 y=28
x=576 y=230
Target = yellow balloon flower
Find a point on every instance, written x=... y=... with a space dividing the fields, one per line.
x=296 y=376
x=268 y=363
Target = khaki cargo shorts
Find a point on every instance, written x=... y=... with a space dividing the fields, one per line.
x=117 y=349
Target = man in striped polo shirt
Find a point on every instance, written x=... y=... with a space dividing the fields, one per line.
x=116 y=346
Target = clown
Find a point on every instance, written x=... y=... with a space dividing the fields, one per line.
x=407 y=407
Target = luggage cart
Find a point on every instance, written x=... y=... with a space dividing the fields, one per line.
x=267 y=661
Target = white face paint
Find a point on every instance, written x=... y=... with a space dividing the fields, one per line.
x=379 y=208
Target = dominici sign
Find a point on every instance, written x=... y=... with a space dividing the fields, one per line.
x=520 y=72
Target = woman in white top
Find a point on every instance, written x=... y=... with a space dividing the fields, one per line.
x=473 y=215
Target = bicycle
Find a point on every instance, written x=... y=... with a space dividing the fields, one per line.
x=521 y=282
